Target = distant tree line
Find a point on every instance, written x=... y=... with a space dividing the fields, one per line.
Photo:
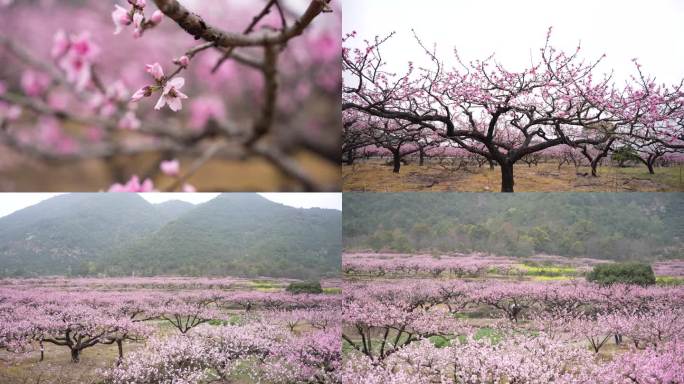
x=624 y=227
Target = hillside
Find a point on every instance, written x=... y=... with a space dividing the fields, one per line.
x=239 y=234
x=608 y=226
x=114 y=234
x=70 y=232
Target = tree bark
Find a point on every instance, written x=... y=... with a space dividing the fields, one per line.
x=421 y=160
x=506 y=176
x=594 y=165
x=75 y=355
x=618 y=338
x=350 y=157
x=119 y=344
x=397 y=162
x=648 y=162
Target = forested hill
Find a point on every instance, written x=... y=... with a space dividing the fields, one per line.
x=240 y=234
x=602 y=225
x=123 y=234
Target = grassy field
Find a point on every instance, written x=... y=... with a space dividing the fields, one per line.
x=374 y=175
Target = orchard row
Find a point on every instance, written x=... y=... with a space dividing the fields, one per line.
x=560 y=106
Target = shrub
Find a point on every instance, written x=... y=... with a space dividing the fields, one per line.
x=305 y=287
x=627 y=273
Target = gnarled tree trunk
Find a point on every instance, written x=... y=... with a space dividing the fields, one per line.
x=506 y=176
x=396 y=159
x=75 y=355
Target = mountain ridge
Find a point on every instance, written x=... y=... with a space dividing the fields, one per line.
x=120 y=234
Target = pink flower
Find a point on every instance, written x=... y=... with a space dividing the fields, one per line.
x=157 y=17
x=83 y=47
x=170 y=167
x=107 y=109
x=138 y=3
x=9 y=112
x=189 y=188
x=117 y=91
x=58 y=100
x=155 y=70
x=52 y=137
x=140 y=93
x=13 y=113
x=34 y=83
x=137 y=22
x=129 y=121
x=325 y=47
x=133 y=185
x=121 y=18
x=204 y=108
x=172 y=95
x=183 y=61
x=77 y=61
x=60 y=44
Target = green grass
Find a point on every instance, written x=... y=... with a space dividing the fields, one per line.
x=232 y=320
x=550 y=278
x=332 y=290
x=440 y=341
x=669 y=280
x=671 y=176
x=550 y=271
x=492 y=334
x=270 y=289
x=264 y=284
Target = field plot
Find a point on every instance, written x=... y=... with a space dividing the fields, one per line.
x=484 y=319
x=435 y=176
x=168 y=330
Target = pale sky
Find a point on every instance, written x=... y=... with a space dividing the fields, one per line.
x=651 y=31
x=11 y=202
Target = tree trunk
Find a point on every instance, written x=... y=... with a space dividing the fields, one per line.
x=119 y=344
x=422 y=157
x=649 y=164
x=350 y=157
x=594 y=165
x=42 y=351
x=75 y=355
x=397 y=162
x=491 y=164
x=618 y=339
x=506 y=176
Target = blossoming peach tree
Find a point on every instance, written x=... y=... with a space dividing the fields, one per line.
x=97 y=82
x=560 y=100
x=279 y=338
x=422 y=330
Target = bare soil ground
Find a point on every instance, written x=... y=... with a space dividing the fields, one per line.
x=375 y=175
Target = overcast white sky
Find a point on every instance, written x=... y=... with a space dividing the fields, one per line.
x=11 y=202
x=650 y=30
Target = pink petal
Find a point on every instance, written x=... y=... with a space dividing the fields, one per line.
x=175 y=103
x=160 y=103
